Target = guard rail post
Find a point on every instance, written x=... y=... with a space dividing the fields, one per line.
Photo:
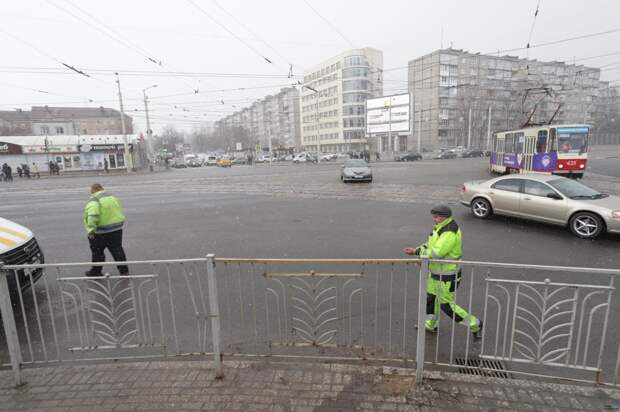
x=214 y=308
x=421 y=337
x=10 y=329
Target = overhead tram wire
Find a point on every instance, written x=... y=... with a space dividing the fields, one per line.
x=330 y=24
x=289 y=61
x=214 y=20
x=112 y=34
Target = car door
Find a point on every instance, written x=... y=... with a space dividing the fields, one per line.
x=537 y=205
x=506 y=196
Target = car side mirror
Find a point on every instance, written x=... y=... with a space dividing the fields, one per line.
x=554 y=196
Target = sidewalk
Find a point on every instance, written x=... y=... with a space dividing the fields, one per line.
x=283 y=386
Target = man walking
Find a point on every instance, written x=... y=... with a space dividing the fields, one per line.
x=444 y=242
x=103 y=220
x=35 y=171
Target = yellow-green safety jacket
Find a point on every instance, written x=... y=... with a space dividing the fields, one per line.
x=103 y=214
x=444 y=242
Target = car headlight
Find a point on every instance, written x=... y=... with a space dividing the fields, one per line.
x=615 y=214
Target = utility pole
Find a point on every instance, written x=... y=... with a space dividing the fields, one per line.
x=318 y=130
x=489 y=128
x=390 y=145
x=469 y=129
x=149 y=132
x=420 y=129
x=125 y=144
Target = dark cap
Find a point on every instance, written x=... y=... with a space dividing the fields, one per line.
x=441 y=210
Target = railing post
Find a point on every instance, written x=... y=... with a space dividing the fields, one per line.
x=214 y=309
x=10 y=330
x=421 y=338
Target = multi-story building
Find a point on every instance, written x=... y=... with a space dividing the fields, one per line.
x=454 y=92
x=333 y=100
x=272 y=121
x=50 y=121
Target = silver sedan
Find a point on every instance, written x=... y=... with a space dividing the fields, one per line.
x=355 y=170
x=545 y=198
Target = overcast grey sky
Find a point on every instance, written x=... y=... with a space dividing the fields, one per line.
x=42 y=34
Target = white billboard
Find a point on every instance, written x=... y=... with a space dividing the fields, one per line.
x=388 y=113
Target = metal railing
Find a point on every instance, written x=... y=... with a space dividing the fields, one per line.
x=539 y=321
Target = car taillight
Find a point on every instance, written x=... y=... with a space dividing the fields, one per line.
x=463 y=188
x=561 y=166
x=581 y=166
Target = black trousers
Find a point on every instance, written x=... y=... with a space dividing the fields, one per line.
x=113 y=241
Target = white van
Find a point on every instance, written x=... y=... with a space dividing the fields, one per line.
x=18 y=246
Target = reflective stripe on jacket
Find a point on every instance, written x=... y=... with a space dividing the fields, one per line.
x=103 y=214
x=444 y=242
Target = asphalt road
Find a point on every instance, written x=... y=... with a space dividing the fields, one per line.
x=304 y=211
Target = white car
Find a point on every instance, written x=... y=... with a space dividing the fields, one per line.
x=18 y=246
x=304 y=157
x=211 y=160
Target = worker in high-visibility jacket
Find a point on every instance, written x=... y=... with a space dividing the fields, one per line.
x=103 y=221
x=444 y=242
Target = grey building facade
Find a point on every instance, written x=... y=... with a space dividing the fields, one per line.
x=273 y=120
x=50 y=121
x=457 y=95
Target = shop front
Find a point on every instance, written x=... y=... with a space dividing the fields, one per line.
x=100 y=156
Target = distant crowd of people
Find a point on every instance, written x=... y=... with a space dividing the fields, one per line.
x=25 y=171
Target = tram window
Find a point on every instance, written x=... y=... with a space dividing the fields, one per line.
x=541 y=143
x=519 y=141
x=510 y=143
x=551 y=146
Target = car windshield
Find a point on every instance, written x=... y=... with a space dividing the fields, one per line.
x=575 y=190
x=355 y=163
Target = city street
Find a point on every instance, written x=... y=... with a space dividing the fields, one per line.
x=302 y=211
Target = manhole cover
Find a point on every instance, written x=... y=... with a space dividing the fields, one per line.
x=482 y=367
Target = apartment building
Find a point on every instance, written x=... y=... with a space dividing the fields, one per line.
x=333 y=100
x=271 y=121
x=457 y=93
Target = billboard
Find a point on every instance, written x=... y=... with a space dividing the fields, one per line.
x=388 y=114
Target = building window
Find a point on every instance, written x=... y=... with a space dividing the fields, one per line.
x=45 y=130
x=60 y=130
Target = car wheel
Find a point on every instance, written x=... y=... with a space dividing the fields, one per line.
x=586 y=225
x=481 y=208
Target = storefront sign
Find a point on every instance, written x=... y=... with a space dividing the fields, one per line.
x=85 y=148
x=10 y=148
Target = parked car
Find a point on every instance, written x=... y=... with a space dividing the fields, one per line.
x=355 y=170
x=19 y=247
x=263 y=159
x=304 y=157
x=240 y=161
x=408 y=157
x=211 y=160
x=545 y=198
x=224 y=162
x=194 y=162
x=179 y=164
x=326 y=157
x=472 y=153
x=446 y=154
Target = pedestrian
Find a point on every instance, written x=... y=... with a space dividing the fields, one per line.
x=50 y=167
x=35 y=171
x=444 y=242
x=104 y=220
x=105 y=165
x=8 y=174
x=5 y=177
x=377 y=156
x=26 y=171
x=19 y=171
